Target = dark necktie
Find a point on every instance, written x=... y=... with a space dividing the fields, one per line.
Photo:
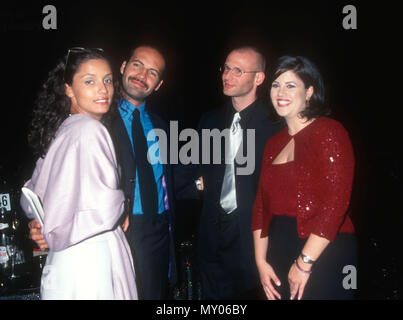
x=147 y=185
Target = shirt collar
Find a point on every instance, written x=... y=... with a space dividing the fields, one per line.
x=127 y=107
x=245 y=114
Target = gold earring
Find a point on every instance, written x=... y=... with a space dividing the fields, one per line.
x=307 y=104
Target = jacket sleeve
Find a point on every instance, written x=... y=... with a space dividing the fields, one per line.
x=30 y=185
x=260 y=217
x=82 y=198
x=334 y=174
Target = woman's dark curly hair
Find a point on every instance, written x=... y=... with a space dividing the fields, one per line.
x=52 y=106
x=310 y=76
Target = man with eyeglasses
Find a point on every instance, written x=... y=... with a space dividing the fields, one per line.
x=225 y=248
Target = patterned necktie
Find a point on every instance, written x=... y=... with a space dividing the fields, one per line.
x=228 y=191
x=147 y=185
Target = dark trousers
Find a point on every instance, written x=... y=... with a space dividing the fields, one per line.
x=224 y=277
x=149 y=241
x=327 y=281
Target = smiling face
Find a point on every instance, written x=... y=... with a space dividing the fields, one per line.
x=91 y=90
x=141 y=75
x=289 y=95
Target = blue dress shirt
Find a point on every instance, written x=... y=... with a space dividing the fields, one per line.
x=126 y=109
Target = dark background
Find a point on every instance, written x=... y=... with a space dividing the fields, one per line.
x=359 y=66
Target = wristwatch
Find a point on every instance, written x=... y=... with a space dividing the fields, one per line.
x=306 y=259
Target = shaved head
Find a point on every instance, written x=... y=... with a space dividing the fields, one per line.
x=260 y=61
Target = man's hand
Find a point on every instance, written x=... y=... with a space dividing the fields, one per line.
x=36 y=235
x=126 y=223
x=199 y=184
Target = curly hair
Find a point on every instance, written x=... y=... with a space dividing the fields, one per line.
x=52 y=106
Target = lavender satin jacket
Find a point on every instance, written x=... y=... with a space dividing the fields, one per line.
x=77 y=182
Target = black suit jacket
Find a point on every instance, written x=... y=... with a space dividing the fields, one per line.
x=125 y=157
x=255 y=116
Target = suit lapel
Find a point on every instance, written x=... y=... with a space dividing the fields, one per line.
x=124 y=149
x=125 y=145
x=157 y=124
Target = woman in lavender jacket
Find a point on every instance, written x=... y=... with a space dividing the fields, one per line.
x=76 y=177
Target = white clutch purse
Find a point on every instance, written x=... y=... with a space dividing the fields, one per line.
x=35 y=204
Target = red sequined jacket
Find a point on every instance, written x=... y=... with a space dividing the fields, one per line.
x=324 y=168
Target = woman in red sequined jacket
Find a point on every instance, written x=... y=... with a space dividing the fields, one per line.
x=303 y=235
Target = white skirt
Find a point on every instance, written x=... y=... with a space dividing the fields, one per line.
x=80 y=272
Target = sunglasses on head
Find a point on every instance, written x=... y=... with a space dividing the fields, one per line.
x=80 y=50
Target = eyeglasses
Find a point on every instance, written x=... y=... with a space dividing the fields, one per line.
x=82 y=50
x=235 y=71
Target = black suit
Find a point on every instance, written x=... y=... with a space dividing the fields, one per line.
x=225 y=248
x=151 y=240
